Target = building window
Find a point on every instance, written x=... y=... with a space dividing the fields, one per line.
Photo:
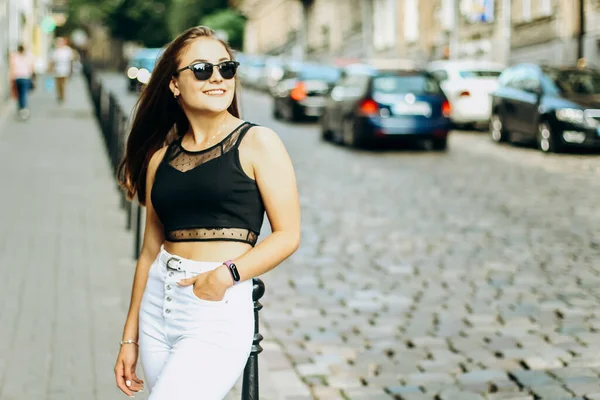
x=411 y=20
x=446 y=15
x=545 y=7
x=526 y=10
x=384 y=24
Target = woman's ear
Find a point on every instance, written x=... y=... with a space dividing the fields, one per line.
x=174 y=87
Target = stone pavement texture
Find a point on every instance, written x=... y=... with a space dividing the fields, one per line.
x=65 y=261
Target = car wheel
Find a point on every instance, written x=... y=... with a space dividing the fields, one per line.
x=325 y=131
x=292 y=113
x=349 y=133
x=546 y=140
x=497 y=132
x=439 y=144
x=276 y=112
x=351 y=137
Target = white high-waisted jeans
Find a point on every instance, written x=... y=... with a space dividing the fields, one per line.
x=192 y=348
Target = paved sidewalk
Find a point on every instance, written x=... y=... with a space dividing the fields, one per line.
x=65 y=260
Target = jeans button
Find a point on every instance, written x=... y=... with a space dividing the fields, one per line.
x=171 y=273
x=168 y=298
x=168 y=310
x=168 y=287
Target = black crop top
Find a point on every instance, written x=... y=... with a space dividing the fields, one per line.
x=206 y=195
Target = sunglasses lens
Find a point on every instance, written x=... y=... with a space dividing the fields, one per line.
x=228 y=69
x=202 y=71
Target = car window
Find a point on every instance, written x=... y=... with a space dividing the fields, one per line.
x=530 y=79
x=439 y=75
x=417 y=84
x=515 y=80
x=507 y=76
x=330 y=75
x=574 y=81
x=473 y=73
x=288 y=74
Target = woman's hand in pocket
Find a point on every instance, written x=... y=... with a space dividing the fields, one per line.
x=211 y=285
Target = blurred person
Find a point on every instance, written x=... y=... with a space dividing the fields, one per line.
x=61 y=65
x=22 y=75
x=206 y=178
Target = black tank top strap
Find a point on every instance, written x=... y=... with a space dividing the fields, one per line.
x=242 y=132
x=172 y=150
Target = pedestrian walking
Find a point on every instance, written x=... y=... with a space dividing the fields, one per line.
x=206 y=178
x=61 y=65
x=22 y=75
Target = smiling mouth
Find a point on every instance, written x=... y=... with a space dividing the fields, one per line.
x=215 y=92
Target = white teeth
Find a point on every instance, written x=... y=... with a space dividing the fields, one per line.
x=214 y=92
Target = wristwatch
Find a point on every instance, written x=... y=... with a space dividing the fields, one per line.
x=233 y=269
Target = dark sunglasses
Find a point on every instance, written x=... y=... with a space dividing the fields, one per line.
x=204 y=70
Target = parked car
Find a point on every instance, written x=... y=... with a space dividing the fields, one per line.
x=251 y=70
x=467 y=85
x=140 y=67
x=552 y=107
x=301 y=92
x=371 y=104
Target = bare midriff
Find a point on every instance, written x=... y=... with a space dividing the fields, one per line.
x=212 y=251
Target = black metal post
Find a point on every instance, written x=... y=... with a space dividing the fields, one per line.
x=250 y=380
x=138 y=228
x=581 y=32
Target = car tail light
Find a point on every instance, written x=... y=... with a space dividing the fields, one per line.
x=298 y=92
x=368 y=107
x=446 y=108
x=464 y=93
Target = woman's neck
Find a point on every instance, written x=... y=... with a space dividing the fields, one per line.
x=207 y=129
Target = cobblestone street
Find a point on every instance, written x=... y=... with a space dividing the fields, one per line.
x=466 y=275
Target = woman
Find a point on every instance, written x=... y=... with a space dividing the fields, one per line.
x=205 y=193
x=21 y=75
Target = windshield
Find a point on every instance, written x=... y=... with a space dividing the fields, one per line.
x=574 y=81
x=417 y=84
x=330 y=75
x=479 y=73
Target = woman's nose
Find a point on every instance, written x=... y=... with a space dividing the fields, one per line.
x=216 y=75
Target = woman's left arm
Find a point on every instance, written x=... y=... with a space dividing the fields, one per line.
x=276 y=182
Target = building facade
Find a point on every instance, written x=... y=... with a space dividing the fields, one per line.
x=272 y=25
x=545 y=31
x=506 y=31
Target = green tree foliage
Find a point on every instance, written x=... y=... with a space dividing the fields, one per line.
x=152 y=23
x=142 y=21
x=230 y=22
x=187 y=13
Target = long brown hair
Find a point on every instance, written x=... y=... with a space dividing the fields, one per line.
x=158 y=113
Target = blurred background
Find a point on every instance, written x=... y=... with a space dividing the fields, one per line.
x=447 y=155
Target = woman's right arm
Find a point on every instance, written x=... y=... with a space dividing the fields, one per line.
x=125 y=367
x=153 y=239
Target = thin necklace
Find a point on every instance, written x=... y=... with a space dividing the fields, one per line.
x=208 y=142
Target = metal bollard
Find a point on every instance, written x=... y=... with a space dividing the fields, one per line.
x=138 y=235
x=250 y=381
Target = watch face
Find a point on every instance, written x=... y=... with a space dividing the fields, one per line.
x=234 y=271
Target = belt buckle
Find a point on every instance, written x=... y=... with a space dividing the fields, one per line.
x=178 y=268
